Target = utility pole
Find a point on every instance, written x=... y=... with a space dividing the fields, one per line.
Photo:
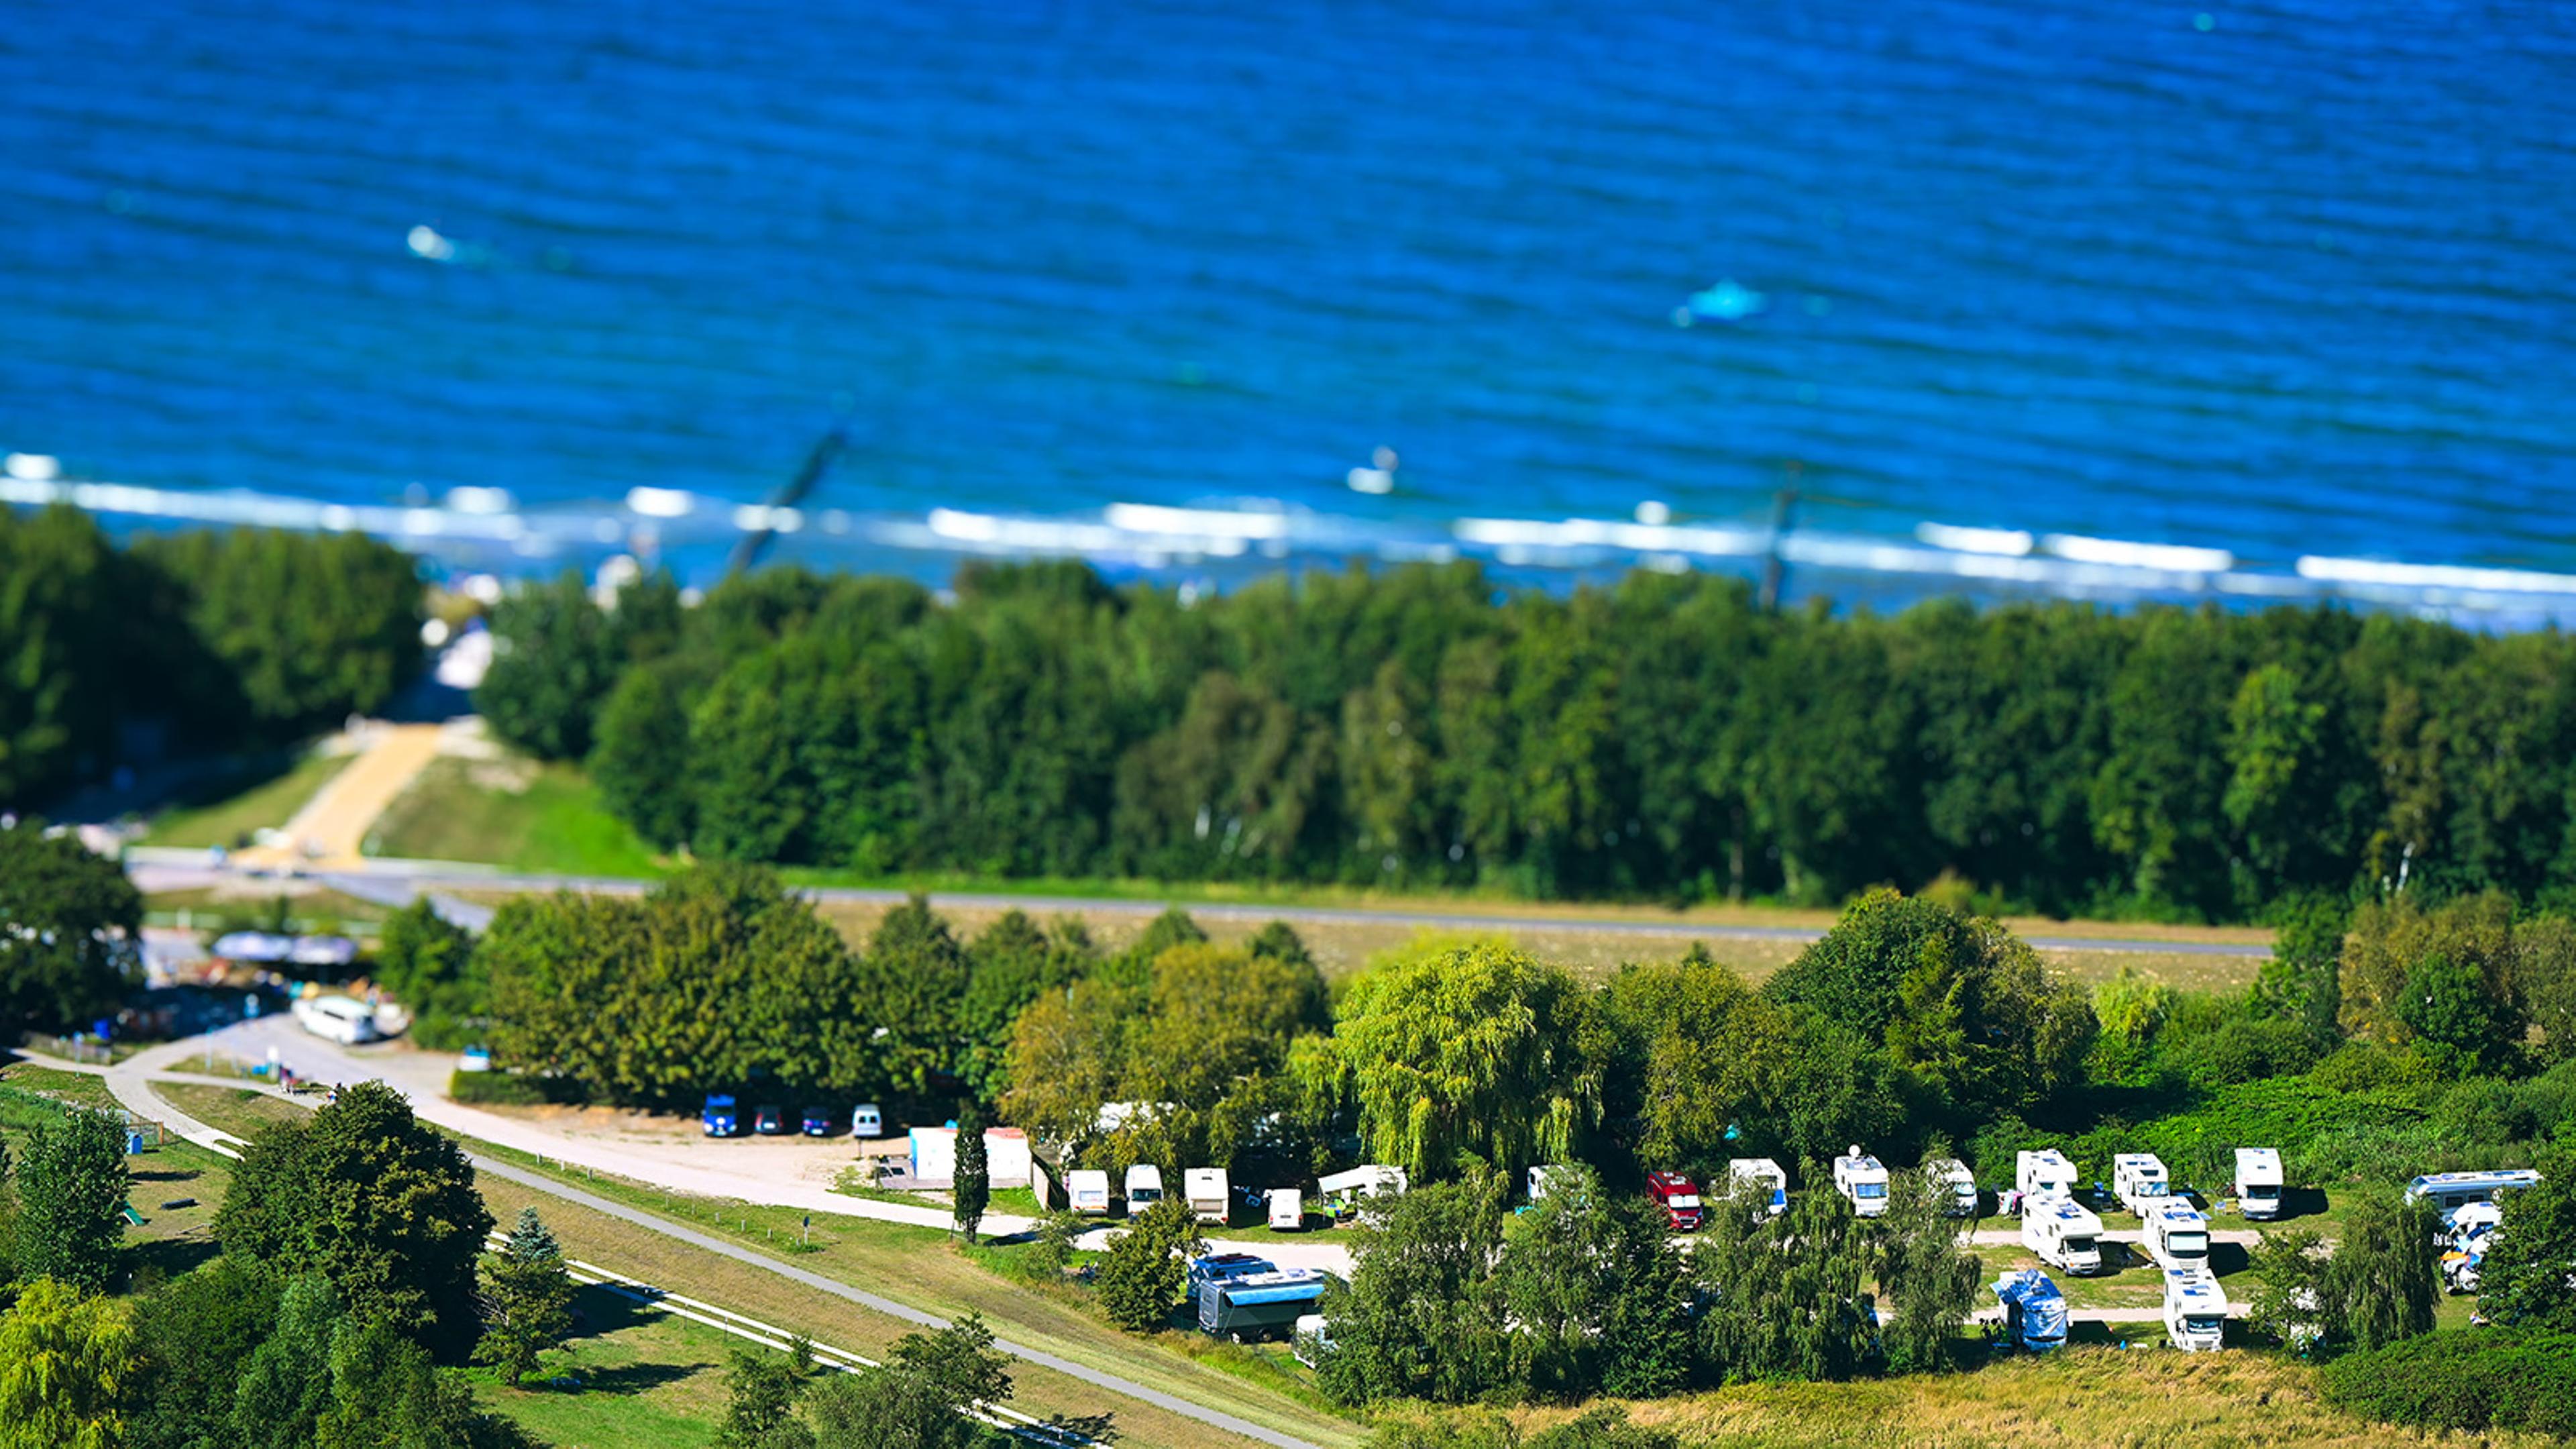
x=1784 y=507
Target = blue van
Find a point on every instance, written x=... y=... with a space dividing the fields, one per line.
x=719 y=1117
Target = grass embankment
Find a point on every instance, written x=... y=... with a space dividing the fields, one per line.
x=917 y=1267
x=516 y=814
x=233 y=817
x=309 y=907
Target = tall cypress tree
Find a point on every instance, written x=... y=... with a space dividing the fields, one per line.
x=974 y=1174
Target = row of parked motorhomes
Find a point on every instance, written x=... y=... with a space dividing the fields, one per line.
x=1210 y=1193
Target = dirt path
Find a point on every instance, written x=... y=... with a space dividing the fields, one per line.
x=331 y=828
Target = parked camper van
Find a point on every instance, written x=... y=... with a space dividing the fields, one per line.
x=337 y=1018
x=2045 y=1173
x=1957 y=1184
x=2140 y=1182
x=1767 y=1177
x=1144 y=1187
x=1313 y=1339
x=1087 y=1190
x=1209 y=1268
x=1678 y=1196
x=2063 y=1233
x=867 y=1120
x=2177 y=1237
x=1863 y=1179
x=2258 y=1182
x=1287 y=1210
x=2034 y=1311
x=2451 y=1191
x=1206 y=1190
x=2195 y=1310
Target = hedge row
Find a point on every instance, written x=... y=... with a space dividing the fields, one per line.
x=2469 y=1379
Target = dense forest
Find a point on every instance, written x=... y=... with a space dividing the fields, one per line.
x=1660 y=739
x=207 y=640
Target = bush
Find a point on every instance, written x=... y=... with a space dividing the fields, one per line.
x=2466 y=1379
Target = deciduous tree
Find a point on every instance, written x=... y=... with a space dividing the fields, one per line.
x=70 y=1371
x=72 y=1185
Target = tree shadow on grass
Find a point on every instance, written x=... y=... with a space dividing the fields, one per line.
x=622 y=1379
x=174 y=1257
x=173 y=1174
x=597 y=1313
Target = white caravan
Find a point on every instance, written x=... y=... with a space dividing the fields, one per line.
x=1206 y=1189
x=1287 y=1210
x=2195 y=1311
x=2452 y=1191
x=1766 y=1177
x=2063 y=1234
x=2258 y=1182
x=2177 y=1237
x=1544 y=1178
x=2140 y=1182
x=2045 y=1173
x=1863 y=1179
x=1371 y=1179
x=1086 y=1189
x=1957 y=1184
x=1144 y=1187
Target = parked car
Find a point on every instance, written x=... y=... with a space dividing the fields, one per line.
x=720 y=1117
x=820 y=1122
x=1678 y=1196
x=769 y=1121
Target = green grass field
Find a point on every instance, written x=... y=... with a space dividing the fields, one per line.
x=640 y=1380
x=515 y=814
x=170 y=1240
x=231 y=819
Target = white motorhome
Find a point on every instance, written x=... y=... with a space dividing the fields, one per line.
x=2177 y=1237
x=1313 y=1338
x=2063 y=1233
x=2258 y=1182
x=1863 y=1179
x=1287 y=1210
x=1957 y=1183
x=1144 y=1187
x=2195 y=1311
x=1086 y=1189
x=337 y=1018
x=2452 y=1191
x=2045 y=1173
x=1767 y=1178
x=2140 y=1182
x=1207 y=1190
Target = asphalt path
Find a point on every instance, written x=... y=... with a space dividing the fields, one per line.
x=130 y=1082
x=398 y=882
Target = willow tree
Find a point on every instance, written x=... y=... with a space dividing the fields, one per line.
x=1474 y=1051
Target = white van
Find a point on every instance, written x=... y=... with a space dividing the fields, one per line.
x=2177 y=1237
x=1958 y=1185
x=1287 y=1210
x=337 y=1018
x=2195 y=1311
x=2258 y=1182
x=867 y=1120
x=2045 y=1173
x=2063 y=1233
x=1545 y=1176
x=1863 y=1179
x=2140 y=1182
x=1766 y=1177
x=1144 y=1187
x=1086 y=1189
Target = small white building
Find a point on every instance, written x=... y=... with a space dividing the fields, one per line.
x=1006 y=1156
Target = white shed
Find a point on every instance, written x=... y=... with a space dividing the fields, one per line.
x=1006 y=1156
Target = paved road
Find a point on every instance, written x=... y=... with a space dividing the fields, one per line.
x=397 y=882
x=130 y=1082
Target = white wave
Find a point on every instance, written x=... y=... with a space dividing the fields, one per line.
x=1195 y=522
x=1596 y=533
x=2434 y=576
x=2175 y=557
x=1974 y=540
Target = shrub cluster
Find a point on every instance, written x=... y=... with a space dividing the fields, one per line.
x=2472 y=1380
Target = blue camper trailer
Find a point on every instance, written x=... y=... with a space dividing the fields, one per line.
x=1264 y=1305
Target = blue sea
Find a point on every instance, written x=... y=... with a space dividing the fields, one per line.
x=2100 y=298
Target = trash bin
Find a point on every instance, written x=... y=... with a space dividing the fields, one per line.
x=133 y=1144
